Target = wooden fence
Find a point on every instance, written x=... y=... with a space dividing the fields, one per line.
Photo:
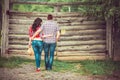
x=81 y=37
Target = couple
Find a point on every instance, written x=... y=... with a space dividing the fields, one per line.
x=44 y=37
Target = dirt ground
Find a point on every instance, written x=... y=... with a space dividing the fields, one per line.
x=27 y=72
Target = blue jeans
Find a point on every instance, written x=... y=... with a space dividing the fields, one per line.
x=49 y=49
x=37 y=47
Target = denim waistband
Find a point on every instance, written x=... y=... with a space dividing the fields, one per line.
x=38 y=40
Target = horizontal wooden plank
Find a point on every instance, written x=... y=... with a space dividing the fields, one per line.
x=73 y=14
x=23 y=52
x=58 y=17
x=18 y=42
x=18 y=27
x=84 y=37
x=68 y=33
x=82 y=47
x=17 y=47
x=30 y=14
x=78 y=53
x=68 y=38
x=18 y=37
x=44 y=14
x=76 y=58
x=27 y=17
x=70 y=43
x=44 y=17
x=22 y=27
x=63 y=16
x=84 y=32
x=76 y=19
x=56 y=3
x=25 y=56
x=90 y=42
x=69 y=24
x=18 y=32
x=83 y=27
x=21 y=21
x=74 y=42
x=89 y=22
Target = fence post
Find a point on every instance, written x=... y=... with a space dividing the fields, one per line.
x=109 y=37
x=57 y=8
x=5 y=24
x=116 y=38
x=10 y=4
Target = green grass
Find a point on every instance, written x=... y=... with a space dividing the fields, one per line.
x=97 y=67
x=87 y=67
x=13 y=62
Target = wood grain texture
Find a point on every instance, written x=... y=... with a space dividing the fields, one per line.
x=83 y=36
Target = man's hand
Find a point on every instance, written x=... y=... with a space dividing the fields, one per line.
x=57 y=39
x=58 y=36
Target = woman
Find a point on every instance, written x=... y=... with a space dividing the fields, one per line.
x=37 y=43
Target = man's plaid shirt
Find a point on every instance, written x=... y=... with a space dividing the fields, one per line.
x=50 y=27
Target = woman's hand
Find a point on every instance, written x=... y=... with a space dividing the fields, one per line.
x=29 y=43
x=49 y=35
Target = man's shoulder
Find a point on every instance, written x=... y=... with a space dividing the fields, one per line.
x=50 y=22
x=46 y=22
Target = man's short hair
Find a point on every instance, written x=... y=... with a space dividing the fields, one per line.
x=49 y=17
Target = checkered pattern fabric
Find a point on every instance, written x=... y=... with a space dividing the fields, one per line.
x=50 y=27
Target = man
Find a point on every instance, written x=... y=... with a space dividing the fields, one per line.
x=49 y=27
